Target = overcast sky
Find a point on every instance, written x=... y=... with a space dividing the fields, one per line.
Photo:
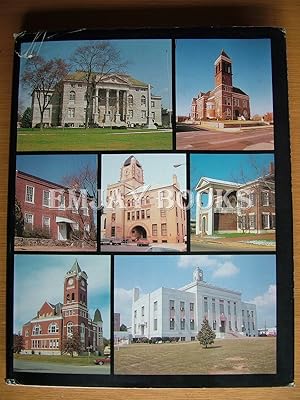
x=253 y=275
x=40 y=278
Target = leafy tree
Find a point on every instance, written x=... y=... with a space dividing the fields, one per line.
x=72 y=344
x=26 y=119
x=41 y=77
x=19 y=219
x=18 y=344
x=96 y=60
x=206 y=335
x=123 y=328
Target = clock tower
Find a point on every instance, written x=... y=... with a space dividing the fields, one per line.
x=223 y=70
x=132 y=172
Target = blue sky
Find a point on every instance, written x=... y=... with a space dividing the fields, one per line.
x=158 y=168
x=148 y=61
x=40 y=278
x=251 y=67
x=55 y=167
x=253 y=275
x=238 y=168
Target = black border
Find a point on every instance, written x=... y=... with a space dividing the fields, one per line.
x=284 y=252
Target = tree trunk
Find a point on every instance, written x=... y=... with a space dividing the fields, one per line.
x=41 y=121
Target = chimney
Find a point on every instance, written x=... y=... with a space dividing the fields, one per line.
x=175 y=182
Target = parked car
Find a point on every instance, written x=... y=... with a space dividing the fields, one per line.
x=102 y=360
x=116 y=242
x=142 y=242
x=105 y=241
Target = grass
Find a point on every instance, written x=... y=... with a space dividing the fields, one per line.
x=79 y=360
x=239 y=235
x=228 y=356
x=93 y=139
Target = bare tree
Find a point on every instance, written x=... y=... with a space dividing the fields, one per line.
x=42 y=77
x=96 y=60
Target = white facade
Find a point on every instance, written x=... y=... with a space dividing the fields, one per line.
x=118 y=100
x=180 y=312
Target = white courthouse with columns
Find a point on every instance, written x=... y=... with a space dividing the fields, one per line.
x=180 y=312
x=118 y=100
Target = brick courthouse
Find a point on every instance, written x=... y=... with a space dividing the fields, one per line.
x=44 y=334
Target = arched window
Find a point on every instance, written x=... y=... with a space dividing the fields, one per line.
x=133 y=203
x=68 y=297
x=70 y=328
x=128 y=203
x=36 y=330
x=73 y=297
x=143 y=100
x=82 y=332
x=72 y=96
x=53 y=328
x=147 y=200
x=130 y=100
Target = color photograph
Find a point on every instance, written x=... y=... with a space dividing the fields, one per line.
x=224 y=95
x=144 y=202
x=199 y=314
x=55 y=203
x=62 y=314
x=95 y=95
x=234 y=202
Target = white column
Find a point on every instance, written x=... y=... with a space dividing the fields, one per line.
x=118 y=108
x=125 y=106
x=150 y=124
x=210 y=205
x=106 y=117
x=198 y=206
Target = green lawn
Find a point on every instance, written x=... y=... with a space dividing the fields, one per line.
x=80 y=360
x=228 y=356
x=93 y=139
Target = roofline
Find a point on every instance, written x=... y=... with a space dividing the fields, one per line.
x=41 y=179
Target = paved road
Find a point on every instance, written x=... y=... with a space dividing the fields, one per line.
x=55 y=368
x=192 y=137
x=123 y=247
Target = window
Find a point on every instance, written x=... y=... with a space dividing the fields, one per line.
x=46 y=223
x=28 y=219
x=227 y=101
x=143 y=102
x=36 y=330
x=252 y=199
x=133 y=215
x=72 y=96
x=162 y=212
x=191 y=306
x=137 y=215
x=154 y=229
x=182 y=306
x=47 y=113
x=182 y=324
x=143 y=214
x=205 y=303
x=71 y=112
x=143 y=114
x=130 y=100
x=265 y=221
x=243 y=313
x=214 y=325
x=113 y=217
x=70 y=328
x=148 y=213
x=163 y=229
x=46 y=198
x=135 y=313
x=265 y=199
x=236 y=102
x=213 y=306
x=128 y=216
x=252 y=314
x=221 y=306
x=172 y=304
x=252 y=221
x=53 y=328
x=228 y=112
x=153 y=115
x=172 y=324
x=229 y=325
x=234 y=308
x=192 y=324
x=155 y=306
x=152 y=103
x=143 y=311
x=229 y=309
x=155 y=324
x=147 y=200
x=62 y=202
x=130 y=113
x=29 y=194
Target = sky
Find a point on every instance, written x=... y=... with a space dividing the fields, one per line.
x=148 y=61
x=55 y=167
x=251 y=67
x=40 y=278
x=238 y=168
x=158 y=168
x=253 y=275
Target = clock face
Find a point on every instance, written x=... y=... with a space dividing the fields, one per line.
x=70 y=281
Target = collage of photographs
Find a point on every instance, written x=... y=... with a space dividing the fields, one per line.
x=144 y=240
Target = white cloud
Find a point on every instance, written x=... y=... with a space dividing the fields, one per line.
x=225 y=270
x=196 y=261
x=266 y=307
x=123 y=303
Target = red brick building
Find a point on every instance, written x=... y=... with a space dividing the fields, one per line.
x=53 y=323
x=225 y=101
x=52 y=209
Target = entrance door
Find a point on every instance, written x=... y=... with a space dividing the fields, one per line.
x=203 y=225
x=62 y=231
x=222 y=327
x=142 y=330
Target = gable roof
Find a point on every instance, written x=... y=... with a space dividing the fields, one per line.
x=238 y=90
x=80 y=76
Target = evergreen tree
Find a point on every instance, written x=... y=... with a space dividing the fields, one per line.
x=206 y=335
x=72 y=344
x=18 y=345
x=26 y=118
x=19 y=219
